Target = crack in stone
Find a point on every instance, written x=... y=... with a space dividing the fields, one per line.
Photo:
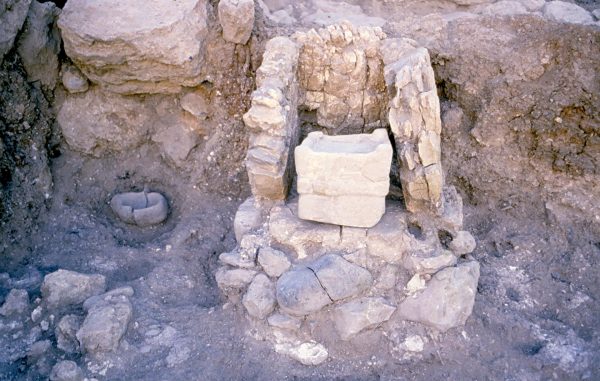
x=321 y=284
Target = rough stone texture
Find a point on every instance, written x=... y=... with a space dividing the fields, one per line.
x=343 y=180
x=97 y=122
x=340 y=70
x=247 y=218
x=16 y=303
x=414 y=117
x=284 y=322
x=66 y=331
x=309 y=353
x=259 y=300
x=106 y=321
x=273 y=262
x=129 y=49
x=196 y=104
x=300 y=293
x=304 y=237
x=505 y=8
x=340 y=278
x=237 y=259
x=462 y=243
x=73 y=79
x=39 y=44
x=448 y=299
x=390 y=239
x=236 y=278
x=66 y=370
x=63 y=287
x=429 y=262
x=237 y=20
x=355 y=316
x=562 y=11
x=177 y=140
x=12 y=16
x=272 y=121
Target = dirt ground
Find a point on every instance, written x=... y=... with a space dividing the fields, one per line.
x=536 y=313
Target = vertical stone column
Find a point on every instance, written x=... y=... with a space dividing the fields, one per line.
x=272 y=121
x=414 y=116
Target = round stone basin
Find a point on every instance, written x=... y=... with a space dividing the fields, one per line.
x=140 y=208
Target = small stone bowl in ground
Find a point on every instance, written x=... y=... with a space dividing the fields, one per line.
x=140 y=208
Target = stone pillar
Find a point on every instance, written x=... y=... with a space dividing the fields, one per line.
x=272 y=121
x=414 y=116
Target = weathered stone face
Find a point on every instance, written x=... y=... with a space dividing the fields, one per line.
x=128 y=48
x=343 y=180
x=300 y=293
x=237 y=19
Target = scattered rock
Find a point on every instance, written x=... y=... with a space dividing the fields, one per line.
x=309 y=353
x=140 y=208
x=66 y=331
x=237 y=19
x=66 y=371
x=130 y=49
x=355 y=316
x=87 y=121
x=73 y=80
x=429 y=262
x=36 y=314
x=284 y=321
x=16 y=303
x=247 y=218
x=273 y=262
x=260 y=297
x=12 y=16
x=236 y=278
x=39 y=44
x=63 y=287
x=562 y=11
x=300 y=293
x=340 y=278
x=462 y=243
x=448 y=299
x=106 y=321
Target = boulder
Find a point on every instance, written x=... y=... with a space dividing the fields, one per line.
x=237 y=20
x=63 y=287
x=39 y=44
x=562 y=11
x=16 y=303
x=106 y=321
x=259 y=300
x=340 y=278
x=355 y=316
x=300 y=293
x=448 y=299
x=273 y=262
x=66 y=370
x=66 y=331
x=12 y=16
x=97 y=122
x=128 y=48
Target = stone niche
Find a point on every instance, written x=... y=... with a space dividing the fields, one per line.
x=323 y=257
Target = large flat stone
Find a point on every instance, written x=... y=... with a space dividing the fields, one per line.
x=63 y=287
x=130 y=48
x=343 y=180
x=355 y=316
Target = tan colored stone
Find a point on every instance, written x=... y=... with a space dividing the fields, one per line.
x=237 y=19
x=247 y=218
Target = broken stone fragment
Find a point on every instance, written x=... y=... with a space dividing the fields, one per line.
x=343 y=180
x=429 y=262
x=128 y=49
x=300 y=293
x=274 y=262
x=178 y=139
x=284 y=321
x=236 y=278
x=16 y=303
x=66 y=370
x=196 y=104
x=140 y=208
x=63 y=287
x=340 y=278
x=73 y=80
x=247 y=218
x=235 y=259
x=66 y=331
x=308 y=353
x=355 y=316
x=259 y=300
x=448 y=299
x=462 y=243
x=237 y=20
x=106 y=321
